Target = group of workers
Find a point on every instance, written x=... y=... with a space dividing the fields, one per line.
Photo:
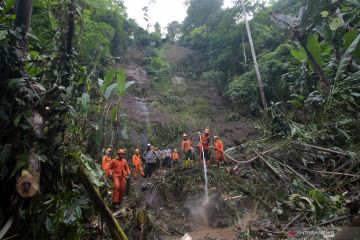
x=118 y=169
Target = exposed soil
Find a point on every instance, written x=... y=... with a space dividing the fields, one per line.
x=232 y=132
x=139 y=107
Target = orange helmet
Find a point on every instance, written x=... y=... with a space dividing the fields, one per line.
x=207 y=130
x=121 y=151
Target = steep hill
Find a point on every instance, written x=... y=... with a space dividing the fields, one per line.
x=162 y=110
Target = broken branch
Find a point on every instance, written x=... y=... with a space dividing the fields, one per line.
x=320 y=148
x=271 y=168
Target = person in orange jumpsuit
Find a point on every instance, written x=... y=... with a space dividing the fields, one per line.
x=119 y=170
x=175 y=157
x=106 y=161
x=219 y=150
x=136 y=160
x=205 y=145
x=186 y=147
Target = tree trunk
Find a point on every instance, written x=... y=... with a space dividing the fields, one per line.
x=23 y=15
x=68 y=53
x=71 y=30
x=116 y=231
x=261 y=85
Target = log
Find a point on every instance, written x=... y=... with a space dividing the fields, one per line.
x=116 y=231
x=271 y=168
x=320 y=148
x=28 y=183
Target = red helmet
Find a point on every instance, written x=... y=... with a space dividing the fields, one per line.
x=121 y=151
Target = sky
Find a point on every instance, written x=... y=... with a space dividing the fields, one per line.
x=162 y=11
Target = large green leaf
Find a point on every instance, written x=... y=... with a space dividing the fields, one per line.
x=336 y=22
x=314 y=47
x=299 y=54
x=108 y=80
x=3 y=34
x=85 y=100
x=346 y=58
x=109 y=90
x=121 y=79
x=349 y=37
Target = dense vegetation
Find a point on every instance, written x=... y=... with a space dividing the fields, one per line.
x=62 y=78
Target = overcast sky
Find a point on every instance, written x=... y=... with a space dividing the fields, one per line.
x=163 y=11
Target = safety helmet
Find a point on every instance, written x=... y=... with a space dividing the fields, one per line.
x=175 y=150
x=207 y=130
x=216 y=137
x=137 y=150
x=108 y=150
x=184 y=135
x=121 y=151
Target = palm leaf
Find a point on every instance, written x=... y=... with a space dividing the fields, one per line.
x=109 y=90
x=346 y=59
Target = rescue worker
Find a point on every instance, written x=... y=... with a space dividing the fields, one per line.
x=149 y=156
x=219 y=150
x=119 y=170
x=136 y=160
x=175 y=157
x=205 y=146
x=106 y=159
x=186 y=149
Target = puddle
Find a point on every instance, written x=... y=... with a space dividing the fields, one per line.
x=204 y=223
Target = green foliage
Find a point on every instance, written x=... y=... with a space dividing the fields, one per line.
x=51 y=105
x=314 y=47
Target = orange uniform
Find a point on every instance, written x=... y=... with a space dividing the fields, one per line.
x=105 y=164
x=204 y=145
x=205 y=141
x=219 y=150
x=137 y=165
x=119 y=170
x=175 y=156
x=186 y=145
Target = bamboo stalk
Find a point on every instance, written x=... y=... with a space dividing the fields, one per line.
x=299 y=175
x=271 y=168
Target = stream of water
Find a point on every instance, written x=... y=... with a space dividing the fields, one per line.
x=206 y=191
